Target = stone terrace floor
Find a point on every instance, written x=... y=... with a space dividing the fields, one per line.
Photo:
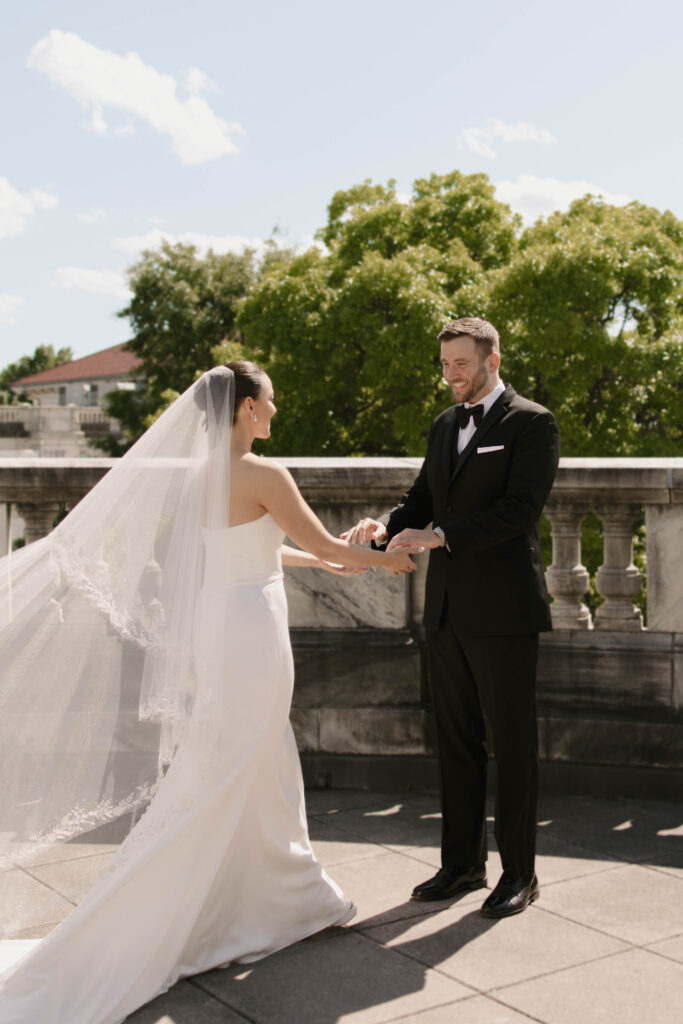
x=603 y=944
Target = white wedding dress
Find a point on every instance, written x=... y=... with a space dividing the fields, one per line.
x=220 y=867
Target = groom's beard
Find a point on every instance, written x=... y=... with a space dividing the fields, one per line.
x=477 y=384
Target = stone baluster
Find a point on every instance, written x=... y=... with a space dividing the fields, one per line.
x=618 y=580
x=39 y=518
x=567 y=578
x=5 y=527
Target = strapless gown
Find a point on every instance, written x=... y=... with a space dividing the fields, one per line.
x=220 y=866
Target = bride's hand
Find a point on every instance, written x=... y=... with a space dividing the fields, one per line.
x=399 y=561
x=342 y=570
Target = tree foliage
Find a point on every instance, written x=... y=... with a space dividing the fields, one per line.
x=589 y=305
x=44 y=358
x=183 y=308
x=348 y=335
x=590 y=310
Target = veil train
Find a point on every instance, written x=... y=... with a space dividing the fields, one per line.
x=97 y=666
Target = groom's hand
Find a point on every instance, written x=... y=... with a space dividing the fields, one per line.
x=415 y=539
x=365 y=530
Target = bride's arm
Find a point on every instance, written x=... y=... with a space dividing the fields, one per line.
x=277 y=492
x=304 y=559
x=301 y=559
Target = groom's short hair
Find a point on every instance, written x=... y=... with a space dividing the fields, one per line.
x=484 y=334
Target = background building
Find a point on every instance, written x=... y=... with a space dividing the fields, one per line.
x=62 y=411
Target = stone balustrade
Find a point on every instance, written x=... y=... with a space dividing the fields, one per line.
x=610 y=690
x=64 y=418
x=618 y=490
x=49 y=431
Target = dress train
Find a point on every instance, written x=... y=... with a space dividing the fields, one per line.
x=220 y=867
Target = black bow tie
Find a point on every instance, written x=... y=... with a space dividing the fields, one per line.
x=463 y=414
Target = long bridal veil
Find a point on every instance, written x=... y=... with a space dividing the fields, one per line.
x=96 y=640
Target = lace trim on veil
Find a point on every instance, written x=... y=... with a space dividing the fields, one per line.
x=77 y=822
x=144 y=626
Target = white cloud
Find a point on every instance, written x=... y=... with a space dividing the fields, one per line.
x=476 y=140
x=99 y=78
x=95 y=282
x=522 y=131
x=196 y=81
x=93 y=216
x=480 y=141
x=134 y=244
x=9 y=307
x=17 y=208
x=538 y=197
x=97 y=123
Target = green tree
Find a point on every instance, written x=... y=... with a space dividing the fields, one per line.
x=44 y=358
x=589 y=304
x=447 y=212
x=354 y=365
x=451 y=207
x=347 y=335
x=590 y=310
x=183 y=308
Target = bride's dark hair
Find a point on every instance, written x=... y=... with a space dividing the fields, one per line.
x=248 y=382
x=248 y=378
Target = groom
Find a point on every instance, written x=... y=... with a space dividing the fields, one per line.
x=476 y=503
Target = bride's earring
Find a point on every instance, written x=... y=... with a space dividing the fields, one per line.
x=255 y=418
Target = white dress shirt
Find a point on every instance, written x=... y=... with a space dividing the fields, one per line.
x=465 y=433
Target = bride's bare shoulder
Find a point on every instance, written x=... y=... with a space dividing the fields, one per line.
x=258 y=463
x=258 y=467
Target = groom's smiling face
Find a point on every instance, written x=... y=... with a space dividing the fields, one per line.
x=468 y=375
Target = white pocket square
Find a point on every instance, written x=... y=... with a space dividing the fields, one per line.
x=493 y=448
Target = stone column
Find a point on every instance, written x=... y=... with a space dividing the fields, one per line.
x=618 y=580
x=567 y=578
x=39 y=518
x=664 y=539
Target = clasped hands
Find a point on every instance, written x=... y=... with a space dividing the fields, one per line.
x=407 y=540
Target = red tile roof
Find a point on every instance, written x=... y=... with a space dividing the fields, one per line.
x=110 y=362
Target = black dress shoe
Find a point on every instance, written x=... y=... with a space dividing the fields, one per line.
x=450 y=881
x=511 y=896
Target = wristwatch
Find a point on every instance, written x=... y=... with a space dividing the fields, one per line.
x=439 y=532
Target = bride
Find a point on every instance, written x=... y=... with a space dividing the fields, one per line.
x=147 y=677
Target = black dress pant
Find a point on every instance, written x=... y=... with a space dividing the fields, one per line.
x=473 y=680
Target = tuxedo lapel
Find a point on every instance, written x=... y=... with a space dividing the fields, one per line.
x=449 y=444
x=497 y=411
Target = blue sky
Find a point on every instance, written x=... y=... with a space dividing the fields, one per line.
x=217 y=121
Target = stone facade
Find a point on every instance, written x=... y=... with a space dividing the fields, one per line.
x=61 y=409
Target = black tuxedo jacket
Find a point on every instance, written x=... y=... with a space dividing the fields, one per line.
x=489 y=504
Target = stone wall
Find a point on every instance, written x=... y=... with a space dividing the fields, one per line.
x=610 y=692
